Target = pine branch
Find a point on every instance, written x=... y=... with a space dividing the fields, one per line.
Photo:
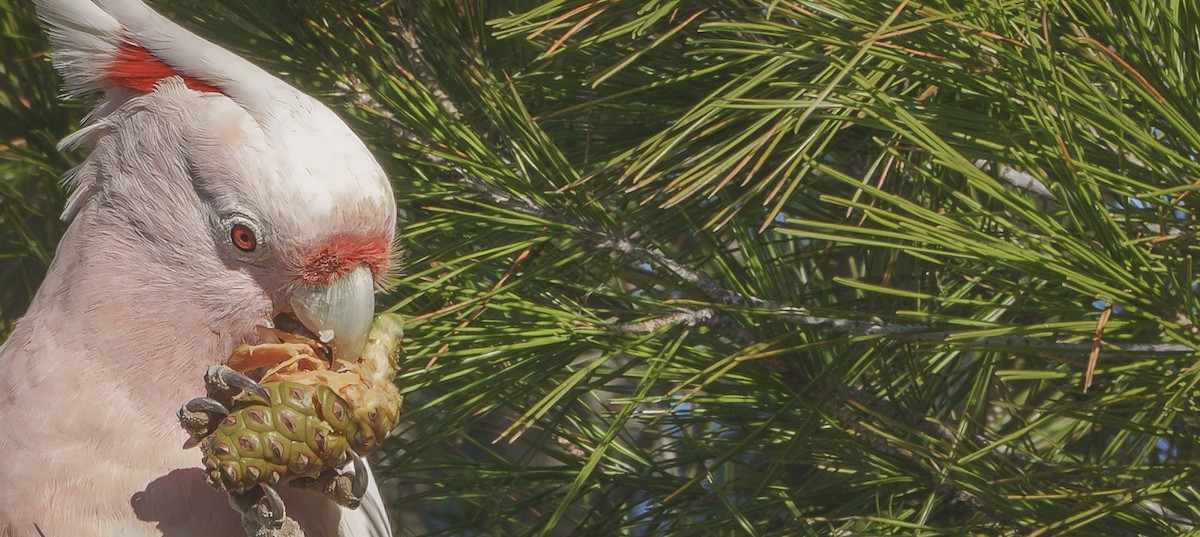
x=619 y=242
x=928 y=216
x=615 y=241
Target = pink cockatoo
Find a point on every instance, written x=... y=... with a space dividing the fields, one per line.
x=215 y=198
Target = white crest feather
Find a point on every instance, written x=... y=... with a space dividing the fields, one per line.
x=86 y=40
x=76 y=178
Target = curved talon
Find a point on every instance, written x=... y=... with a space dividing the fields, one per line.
x=358 y=487
x=206 y=404
x=346 y=490
x=246 y=504
x=261 y=504
x=277 y=511
x=197 y=416
x=224 y=383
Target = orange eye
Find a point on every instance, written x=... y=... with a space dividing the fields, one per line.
x=243 y=237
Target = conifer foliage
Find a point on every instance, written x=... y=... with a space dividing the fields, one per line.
x=750 y=268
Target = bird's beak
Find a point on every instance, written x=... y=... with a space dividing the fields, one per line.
x=339 y=313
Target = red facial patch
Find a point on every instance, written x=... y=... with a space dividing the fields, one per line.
x=139 y=69
x=341 y=254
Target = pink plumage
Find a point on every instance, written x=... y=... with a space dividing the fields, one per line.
x=151 y=285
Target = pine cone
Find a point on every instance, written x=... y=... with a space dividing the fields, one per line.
x=300 y=432
x=316 y=410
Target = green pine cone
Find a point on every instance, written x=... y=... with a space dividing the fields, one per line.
x=313 y=418
x=300 y=432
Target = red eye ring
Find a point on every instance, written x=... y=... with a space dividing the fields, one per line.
x=243 y=237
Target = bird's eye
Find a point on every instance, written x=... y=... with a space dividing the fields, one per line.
x=243 y=237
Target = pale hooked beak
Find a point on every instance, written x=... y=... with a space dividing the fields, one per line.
x=339 y=313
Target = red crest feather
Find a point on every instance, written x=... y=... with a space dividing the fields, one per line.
x=139 y=69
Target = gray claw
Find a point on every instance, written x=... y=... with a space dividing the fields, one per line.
x=358 y=487
x=224 y=383
x=200 y=416
x=206 y=404
x=346 y=490
x=274 y=503
x=260 y=506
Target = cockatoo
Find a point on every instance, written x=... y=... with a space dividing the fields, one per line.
x=215 y=197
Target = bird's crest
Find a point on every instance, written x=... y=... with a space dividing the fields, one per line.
x=123 y=46
x=124 y=49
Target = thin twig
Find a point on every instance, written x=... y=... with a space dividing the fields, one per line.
x=689 y=317
x=906 y=332
x=936 y=333
x=1020 y=179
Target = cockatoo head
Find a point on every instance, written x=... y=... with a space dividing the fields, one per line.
x=214 y=163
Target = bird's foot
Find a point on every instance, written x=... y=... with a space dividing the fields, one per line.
x=200 y=416
x=263 y=513
x=224 y=383
x=347 y=490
